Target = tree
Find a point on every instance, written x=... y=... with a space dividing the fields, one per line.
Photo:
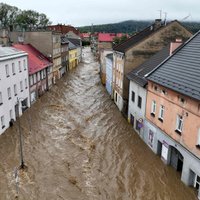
x=8 y=15
x=12 y=16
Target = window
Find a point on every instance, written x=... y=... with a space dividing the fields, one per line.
x=133 y=96
x=13 y=68
x=138 y=125
x=24 y=63
x=139 y=101
x=153 y=108
x=21 y=86
x=38 y=76
x=26 y=83
x=15 y=89
x=1 y=100
x=9 y=93
x=7 y=70
x=11 y=114
x=2 y=122
x=161 y=114
x=20 y=67
x=31 y=80
x=198 y=139
x=34 y=79
x=179 y=124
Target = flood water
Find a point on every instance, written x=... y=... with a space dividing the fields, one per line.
x=78 y=146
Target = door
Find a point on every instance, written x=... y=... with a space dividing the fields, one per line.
x=132 y=120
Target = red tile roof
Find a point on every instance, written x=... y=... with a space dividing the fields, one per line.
x=36 y=60
x=84 y=35
x=106 y=37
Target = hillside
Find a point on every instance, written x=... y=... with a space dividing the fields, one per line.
x=131 y=26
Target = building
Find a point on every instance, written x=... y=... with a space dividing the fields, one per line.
x=66 y=30
x=136 y=50
x=109 y=68
x=47 y=42
x=73 y=58
x=40 y=71
x=14 y=87
x=173 y=111
x=64 y=55
x=78 y=44
x=103 y=54
x=4 y=37
x=138 y=86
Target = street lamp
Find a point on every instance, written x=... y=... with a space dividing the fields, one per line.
x=22 y=165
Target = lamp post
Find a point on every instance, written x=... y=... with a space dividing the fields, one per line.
x=22 y=165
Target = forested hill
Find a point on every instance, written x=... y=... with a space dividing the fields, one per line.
x=131 y=26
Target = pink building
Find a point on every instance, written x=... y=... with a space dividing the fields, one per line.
x=172 y=127
x=40 y=71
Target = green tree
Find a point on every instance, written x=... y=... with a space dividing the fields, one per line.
x=8 y=15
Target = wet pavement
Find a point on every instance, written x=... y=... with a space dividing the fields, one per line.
x=78 y=146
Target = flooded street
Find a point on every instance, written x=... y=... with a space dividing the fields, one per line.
x=78 y=146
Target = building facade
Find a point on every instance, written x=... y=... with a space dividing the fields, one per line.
x=40 y=71
x=47 y=42
x=138 y=84
x=14 y=85
x=172 y=126
x=109 y=69
x=139 y=48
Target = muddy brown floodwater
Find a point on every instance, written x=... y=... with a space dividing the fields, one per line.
x=81 y=148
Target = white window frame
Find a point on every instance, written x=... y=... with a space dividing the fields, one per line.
x=1 y=99
x=26 y=83
x=24 y=63
x=179 y=123
x=153 y=107
x=21 y=86
x=11 y=113
x=13 y=68
x=198 y=138
x=7 y=70
x=2 y=122
x=15 y=89
x=9 y=92
x=161 y=113
x=20 y=67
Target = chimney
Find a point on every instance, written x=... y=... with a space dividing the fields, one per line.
x=157 y=24
x=174 y=45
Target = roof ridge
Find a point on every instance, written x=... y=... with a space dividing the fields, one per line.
x=174 y=53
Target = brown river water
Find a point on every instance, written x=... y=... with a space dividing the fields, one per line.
x=78 y=146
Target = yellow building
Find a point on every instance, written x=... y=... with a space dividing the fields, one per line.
x=73 y=59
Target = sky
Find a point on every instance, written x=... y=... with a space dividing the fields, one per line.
x=87 y=12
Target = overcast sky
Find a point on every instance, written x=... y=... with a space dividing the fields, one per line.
x=87 y=12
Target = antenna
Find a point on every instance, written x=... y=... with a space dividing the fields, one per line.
x=160 y=13
x=186 y=17
x=165 y=20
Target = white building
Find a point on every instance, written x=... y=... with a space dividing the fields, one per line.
x=14 y=85
x=138 y=91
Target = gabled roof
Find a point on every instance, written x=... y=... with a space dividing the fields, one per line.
x=181 y=72
x=106 y=37
x=140 y=36
x=64 y=40
x=36 y=60
x=74 y=41
x=71 y=45
x=138 y=74
x=110 y=56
